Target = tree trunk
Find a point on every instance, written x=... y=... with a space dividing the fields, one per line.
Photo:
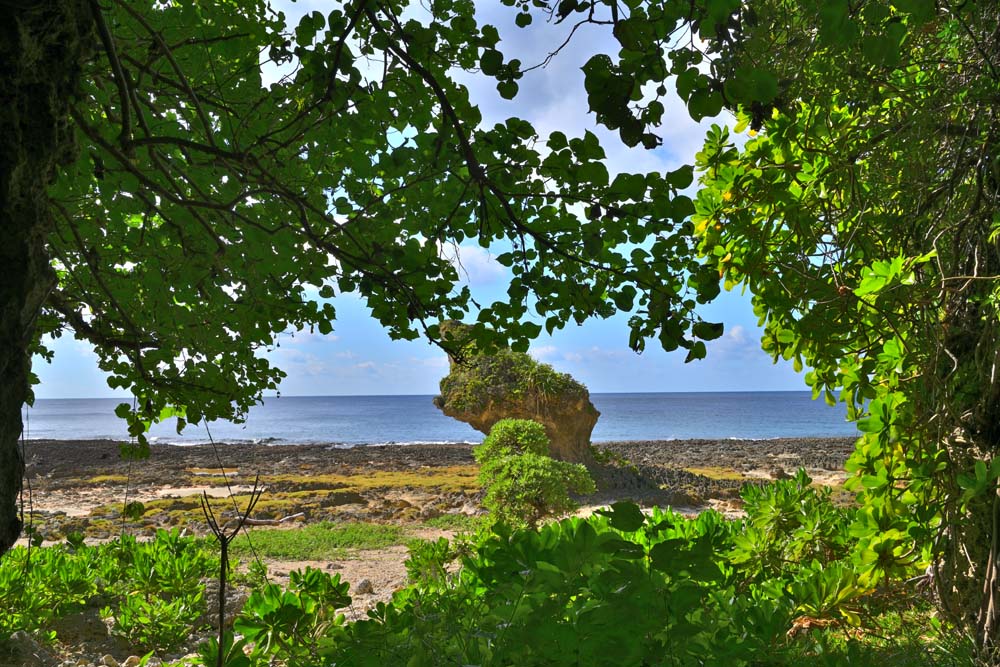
x=43 y=44
x=967 y=412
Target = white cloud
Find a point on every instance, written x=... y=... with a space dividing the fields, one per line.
x=594 y=354
x=737 y=341
x=292 y=360
x=737 y=335
x=307 y=337
x=543 y=352
x=439 y=362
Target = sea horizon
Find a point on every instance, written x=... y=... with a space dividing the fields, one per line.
x=604 y=393
x=352 y=420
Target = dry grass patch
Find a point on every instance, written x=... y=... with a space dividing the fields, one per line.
x=213 y=471
x=106 y=479
x=446 y=479
x=716 y=472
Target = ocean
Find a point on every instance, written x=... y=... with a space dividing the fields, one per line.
x=365 y=420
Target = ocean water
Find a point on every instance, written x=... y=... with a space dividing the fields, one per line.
x=360 y=420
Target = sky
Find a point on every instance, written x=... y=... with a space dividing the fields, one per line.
x=358 y=358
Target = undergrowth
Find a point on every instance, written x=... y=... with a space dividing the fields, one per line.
x=151 y=593
x=625 y=587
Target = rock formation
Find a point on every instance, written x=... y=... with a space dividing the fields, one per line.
x=481 y=389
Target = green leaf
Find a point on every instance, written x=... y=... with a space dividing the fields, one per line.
x=666 y=556
x=490 y=62
x=708 y=330
x=680 y=178
x=835 y=18
x=697 y=351
x=704 y=103
x=557 y=141
x=624 y=516
x=507 y=89
x=920 y=11
x=881 y=50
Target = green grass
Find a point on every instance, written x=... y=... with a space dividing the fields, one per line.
x=322 y=541
x=460 y=523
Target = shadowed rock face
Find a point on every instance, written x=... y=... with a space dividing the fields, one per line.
x=482 y=389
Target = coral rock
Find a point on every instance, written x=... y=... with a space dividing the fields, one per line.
x=481 y=389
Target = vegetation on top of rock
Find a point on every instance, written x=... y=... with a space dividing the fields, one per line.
x=505 y=375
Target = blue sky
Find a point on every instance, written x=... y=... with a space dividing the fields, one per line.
x=359 y=358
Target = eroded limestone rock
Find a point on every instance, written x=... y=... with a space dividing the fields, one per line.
x=481 y=389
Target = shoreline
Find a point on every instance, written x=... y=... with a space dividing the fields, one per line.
x=82 y=485
x=57 y=458
x=338 y=445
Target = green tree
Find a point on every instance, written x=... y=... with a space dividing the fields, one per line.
x=862 y=215
x=162 y=201
x=863 y=219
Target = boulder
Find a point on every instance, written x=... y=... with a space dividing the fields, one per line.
x=21 y=650
x=481 y=389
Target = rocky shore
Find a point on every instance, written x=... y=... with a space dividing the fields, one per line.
x=61 y=461
x=745 y=455
x=81 y=486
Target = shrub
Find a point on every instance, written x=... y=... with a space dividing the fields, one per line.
x=513 y=436
x=154 y=622
x=523 y=484
x=290 y=625
x=428 y=561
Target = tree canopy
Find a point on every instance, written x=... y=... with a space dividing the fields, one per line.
x=207 y=210
x=863 y=220
x=191 y=210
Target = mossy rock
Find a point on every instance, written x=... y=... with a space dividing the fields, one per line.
x=481 y=389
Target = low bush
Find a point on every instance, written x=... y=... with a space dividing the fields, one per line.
x=513 y=436
x=293 y=624
x=523 y=484
x=625 y=587
x=151 y=592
